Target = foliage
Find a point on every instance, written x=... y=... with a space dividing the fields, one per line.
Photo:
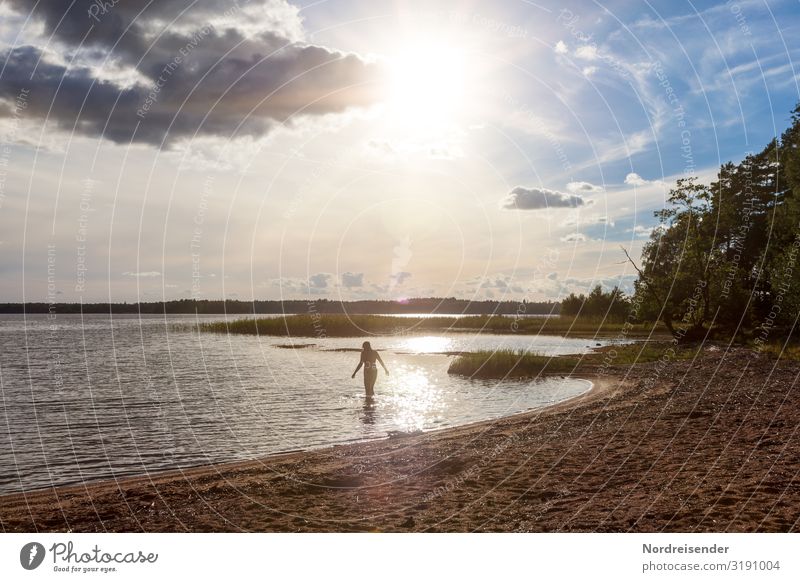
x=723 y=259
x=612 y=306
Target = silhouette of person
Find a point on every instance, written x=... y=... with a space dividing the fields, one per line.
x=369 y=359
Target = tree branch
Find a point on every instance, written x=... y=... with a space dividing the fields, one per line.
x=666 y=319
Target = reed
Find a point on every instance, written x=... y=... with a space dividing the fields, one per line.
x=318 y=325
x=509 y=364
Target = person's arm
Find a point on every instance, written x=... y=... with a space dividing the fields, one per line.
x=360 y=363
x=382 y=364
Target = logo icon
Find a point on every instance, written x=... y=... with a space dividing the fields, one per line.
x=31 y=555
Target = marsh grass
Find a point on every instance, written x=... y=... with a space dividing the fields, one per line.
x=317 y=325
x=328 y=325
x=519 y=364
x=509 y=364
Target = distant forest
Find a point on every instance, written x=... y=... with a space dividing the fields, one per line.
x=448 y=305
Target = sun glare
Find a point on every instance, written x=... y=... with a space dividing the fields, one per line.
x=428 y=85
x=427 y=344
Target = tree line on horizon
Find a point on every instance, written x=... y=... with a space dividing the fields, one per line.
x=447 y=305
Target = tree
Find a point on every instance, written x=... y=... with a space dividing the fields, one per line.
x=724 y=258
x=612 y=305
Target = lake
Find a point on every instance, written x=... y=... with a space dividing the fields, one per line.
x=88 y=397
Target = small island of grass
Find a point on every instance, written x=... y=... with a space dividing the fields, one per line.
x=510 y=364
x=520 y=364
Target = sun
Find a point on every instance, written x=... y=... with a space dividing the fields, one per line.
x=428 y=84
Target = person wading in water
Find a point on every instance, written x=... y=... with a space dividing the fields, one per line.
x=369 y=359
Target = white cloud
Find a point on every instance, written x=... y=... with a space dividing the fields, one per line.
x=635 y=179
x=586 y=52
x=583 y=187
x=574 y=237
x=577 y=219
x=561 y=48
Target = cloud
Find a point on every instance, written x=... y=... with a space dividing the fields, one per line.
x=538 y=198
x=561 y=48
x=399 y=278
x=351 y=280
x=499 y=282
x=226 y=79
x=587 y=52
x=635 y=179
x=579 y=220
x=143 y=274
x=574 y=237
x=578 y=285
x=319 y=281
x=576 y=187
x=589 y=71
x=643 y=231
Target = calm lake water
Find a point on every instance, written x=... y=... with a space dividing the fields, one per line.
x=93 y=398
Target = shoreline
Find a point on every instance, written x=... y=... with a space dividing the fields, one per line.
x=202 y=469
x=708 y=445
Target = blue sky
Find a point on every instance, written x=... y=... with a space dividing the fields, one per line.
x=355 y=150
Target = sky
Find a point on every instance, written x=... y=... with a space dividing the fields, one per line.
x=351 y=150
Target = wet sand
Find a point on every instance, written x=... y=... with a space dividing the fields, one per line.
x=711 y=445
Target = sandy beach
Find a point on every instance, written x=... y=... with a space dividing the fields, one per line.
x=710 y=445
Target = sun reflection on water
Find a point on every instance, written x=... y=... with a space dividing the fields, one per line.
x=428 y=344
x=415 y=398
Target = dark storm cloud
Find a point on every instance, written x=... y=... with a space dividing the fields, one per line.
x=193 y=78
x=538 y=198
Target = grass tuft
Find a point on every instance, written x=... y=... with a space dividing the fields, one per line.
x=509 y=364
